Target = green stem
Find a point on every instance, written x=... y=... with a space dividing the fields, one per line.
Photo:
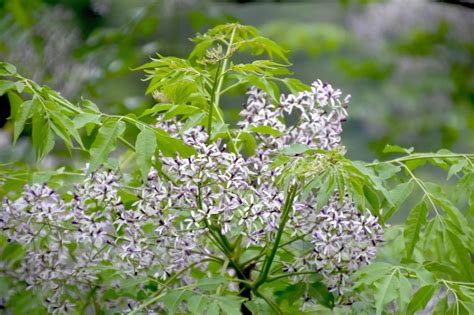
x=128 y=144
x=211 y=103
x=216 y=91
x=420 y=156
x=254 y=259
x=284 y=218
x=421 y=185
x=285 y=275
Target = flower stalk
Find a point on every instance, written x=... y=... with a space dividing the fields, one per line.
x=290 y=197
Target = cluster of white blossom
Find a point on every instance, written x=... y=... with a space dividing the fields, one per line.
x=343 y=239
x=186 y=204
x=67 y=242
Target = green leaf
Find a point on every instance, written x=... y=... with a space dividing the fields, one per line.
x=291 y=293
x=12 y=253
x=259 y=306
x=90 y=106
x=268 y=86
x=386 y=291
x=398 y=195
x=397 y=149
x=294 y=149
x=248 y=143
x=442 y=306
x=19 y=86
x=229 y=304
x=386 y=170
x=210 y=284
x=42 y=136
x=24 y=112
x=325 y=192
x=405 y=293
x=5 y=85
x=105 y=142
x=414 y=223
x=169 y=146
x=66 y=127
x=83 y=119
x=320 y=293
x=462 y=255
x=156 y=109
x=357 y=194
x=267 y=130
x=457 y=167
x=7 y=69
x=198 y=304
x=260 y=44
x=421 y=298
x=145 y=147
x=296 y=85
x=15 y=102
x=369 y=274
x=373 y=200
x=185 y=110
x=173 y=299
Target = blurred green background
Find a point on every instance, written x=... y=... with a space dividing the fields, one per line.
x=407 y=63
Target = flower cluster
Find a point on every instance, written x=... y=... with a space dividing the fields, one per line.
x=343 y=239
x=188 y=207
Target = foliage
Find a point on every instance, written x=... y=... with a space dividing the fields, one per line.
x=268 y=217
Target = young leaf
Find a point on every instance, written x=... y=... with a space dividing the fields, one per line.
x=414 y=223
x=105 y=142
x=145 y=147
